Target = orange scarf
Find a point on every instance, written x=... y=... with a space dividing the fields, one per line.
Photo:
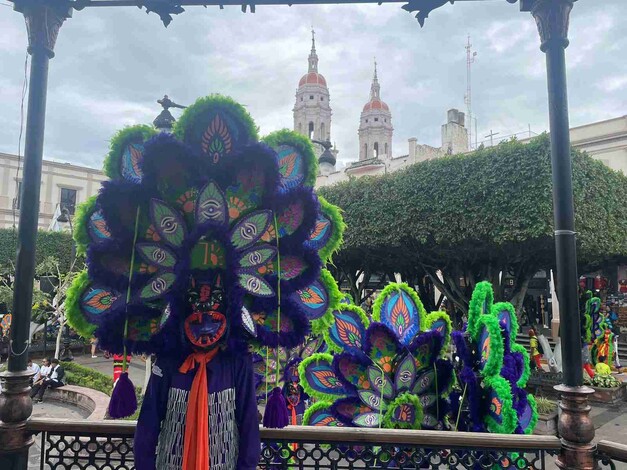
x=196 y=441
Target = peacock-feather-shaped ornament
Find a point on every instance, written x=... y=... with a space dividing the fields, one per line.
x=387 y=373
x=207 y=221
x=493 y=370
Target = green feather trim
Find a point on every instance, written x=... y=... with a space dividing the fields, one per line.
x=188 y=119
x=509 y=418
x=128 y=135
x=349 y=297
x=496 y=308
x=494 y=363
x=395 y=287
x=320 y=405
x=301 y=143
x=534 y=414
x=81 y=221
x=483 y=293
x=432 y=318
x=322 y=324
x=318 y=357
x=332 y=345
x=404 y=398
x=73 y=311
x=526 y=373
x=334 y=214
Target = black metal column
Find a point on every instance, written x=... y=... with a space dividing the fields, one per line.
x=575 y=425
x=43 y=20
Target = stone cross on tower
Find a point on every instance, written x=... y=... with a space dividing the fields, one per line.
x=313 y=57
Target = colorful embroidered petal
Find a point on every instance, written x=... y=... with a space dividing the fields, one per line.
x=250 y=229
x=211 y=205
x=167 y=222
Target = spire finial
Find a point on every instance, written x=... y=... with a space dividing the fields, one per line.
x=313 y=56
x=375 y=67
x=375 y=88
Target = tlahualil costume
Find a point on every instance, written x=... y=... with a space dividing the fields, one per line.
x=202 y=243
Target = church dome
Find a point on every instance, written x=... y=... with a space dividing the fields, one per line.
x=312 y=78
x=376 y=104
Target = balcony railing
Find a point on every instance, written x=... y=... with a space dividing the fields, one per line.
x=609 y=454
x=98 y=445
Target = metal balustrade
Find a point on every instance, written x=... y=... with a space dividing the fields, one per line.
x=96 y=445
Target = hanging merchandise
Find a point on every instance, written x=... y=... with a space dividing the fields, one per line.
x=202 y=243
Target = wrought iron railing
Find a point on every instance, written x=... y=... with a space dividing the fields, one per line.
x=611 y=455
x=98 y=445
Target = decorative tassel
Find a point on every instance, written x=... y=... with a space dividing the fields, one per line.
x=123 y=401
x=276 y=414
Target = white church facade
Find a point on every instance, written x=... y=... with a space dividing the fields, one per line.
x=313 y=115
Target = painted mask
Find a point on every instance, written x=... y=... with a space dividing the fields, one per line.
x=206 y=325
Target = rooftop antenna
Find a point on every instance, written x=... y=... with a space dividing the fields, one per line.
x=470 y=58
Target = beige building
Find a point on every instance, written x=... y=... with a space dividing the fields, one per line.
x=62 y=185
x=603 y=140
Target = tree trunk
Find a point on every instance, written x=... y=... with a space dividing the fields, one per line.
x=57 y=349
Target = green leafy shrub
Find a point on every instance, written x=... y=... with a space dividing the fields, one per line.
x=545 y=406
x=605 y=381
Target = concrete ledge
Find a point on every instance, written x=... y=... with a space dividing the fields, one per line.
x=92 y=401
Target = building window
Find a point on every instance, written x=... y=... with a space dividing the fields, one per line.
x=322 y=98
x=68 y=199
x=386 y=148
x=311 y=130
x=301 y=98
x=366 y=120
x=311 y=97
x=17 y=202
x=376 y=150
x=385 y=120
x=376 y=119
x=322 y=136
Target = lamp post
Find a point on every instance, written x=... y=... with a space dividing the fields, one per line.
x=575 y=425
x=66 y=354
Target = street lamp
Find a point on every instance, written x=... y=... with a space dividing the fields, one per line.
x=66 y=354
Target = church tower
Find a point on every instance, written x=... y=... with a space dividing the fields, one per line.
x=375 y=125
x=312 y=111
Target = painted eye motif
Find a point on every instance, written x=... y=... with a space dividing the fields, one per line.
x=169 y=225
x=374 y=401
x=211 y=209
x=158 y=255
x=254 y=258
x=253 y=284
x=405 y=376
x=158 y=285
x=248 y=231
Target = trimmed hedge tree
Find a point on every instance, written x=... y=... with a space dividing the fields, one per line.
x=55 y=244
x=472 y=216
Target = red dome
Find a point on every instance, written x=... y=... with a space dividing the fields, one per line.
x=376 y=103
x=312 y=78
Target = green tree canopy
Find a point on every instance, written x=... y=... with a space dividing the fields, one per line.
x=49 y=244
x=472 y=216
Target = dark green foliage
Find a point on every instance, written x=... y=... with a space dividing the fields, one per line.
x=57 y=244
x=76 y=374
x=477 y=214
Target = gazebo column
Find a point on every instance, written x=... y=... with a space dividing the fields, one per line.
x=43 y=20
x=575 y=425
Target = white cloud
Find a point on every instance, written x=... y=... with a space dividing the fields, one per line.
x=112 y=64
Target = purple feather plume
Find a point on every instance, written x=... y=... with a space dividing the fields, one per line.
x=123 y=401
x=276 y=414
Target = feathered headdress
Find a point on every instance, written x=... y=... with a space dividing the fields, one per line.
x=207 y=205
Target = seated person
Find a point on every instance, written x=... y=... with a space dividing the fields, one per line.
x=34 y=368
x=55 y=380
x=602 y=368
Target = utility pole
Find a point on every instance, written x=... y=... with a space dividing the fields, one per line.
x=470 y=58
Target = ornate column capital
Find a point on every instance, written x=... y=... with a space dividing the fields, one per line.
x=43 y=21
x=552 y=18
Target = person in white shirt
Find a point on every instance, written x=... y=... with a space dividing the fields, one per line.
x=44 y=372
x=55 y=380
x=35 y=369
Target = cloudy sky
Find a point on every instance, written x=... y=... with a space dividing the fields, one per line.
x=112 y=64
